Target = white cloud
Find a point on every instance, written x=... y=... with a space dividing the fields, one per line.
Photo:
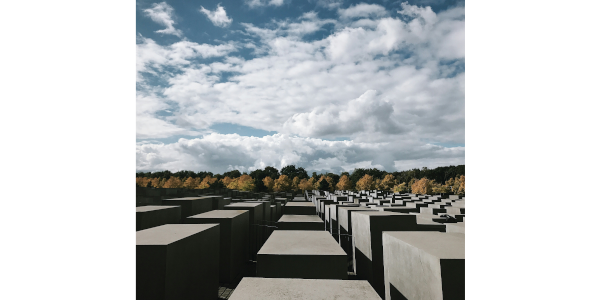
x=218 y=17
x=162 y=13
x=260 y=3
x=362 y=10
x=219 y=153
x=330 y=4
x=391 y=78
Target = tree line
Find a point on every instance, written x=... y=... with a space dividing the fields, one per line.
x=448 y=179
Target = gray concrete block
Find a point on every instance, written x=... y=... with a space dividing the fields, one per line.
x=299 y=208
x=251 y=288
x=178 y=261
x=190 y=206
x=255 y=235
x=367 y=227
x=156 y=215
x=301 y=254
x=424 y=265
x=300 y=222
x=234 y=239
x=455 y=228
x=344 y=227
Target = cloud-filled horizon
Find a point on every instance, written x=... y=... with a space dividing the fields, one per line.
x=322 y=84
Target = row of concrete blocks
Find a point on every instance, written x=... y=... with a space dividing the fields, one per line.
x=366 y=240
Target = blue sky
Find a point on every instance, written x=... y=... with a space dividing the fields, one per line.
x=323 y=84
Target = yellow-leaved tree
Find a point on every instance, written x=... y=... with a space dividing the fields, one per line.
x=459 y=182
x=282 y=184
x=173 y=183
x=245 y=183
x=365 y=183
x=269 y=182
x=401 y=188
x=329 y=184
x=206 y=182
x=304 y=185
x=438 y=188
x=226 y=181
x=191 y=183
x=311 y=183
x=295 y=183
x=422 y=186
x=387 y=183
x=344 y=184
x=142 y=181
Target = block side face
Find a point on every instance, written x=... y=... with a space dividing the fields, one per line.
x=151 y=270
x=453 y=278
x=301 y=266
x=361 y=233
x=414 y=273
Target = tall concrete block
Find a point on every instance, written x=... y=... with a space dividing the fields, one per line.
x=345 y=226
x=300 y=222
x=156 y=215
x=178 y=261
x=301 y=254
x=234 y=240
x=424 y=265
x=367 y=227
x=252 y=288
x=190 y=206
x=255 y=235
x=265 y=221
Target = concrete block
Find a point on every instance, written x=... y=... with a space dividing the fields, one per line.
x=367 y=227
x=301 y=254
x=178 y=261
x=424 y=265
x=265 y=221
x=255 y=235
x=455 y=228
x=252 y=288
x=299 y=208
x=156 y=215
x=300 y=222
x=345 y=227
x=234 y=239
x=190 y=206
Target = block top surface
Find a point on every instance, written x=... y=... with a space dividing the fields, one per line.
x=185 y=199
x=300 y=218
x=169 y=233
x=213 y=214
x=301 y=242
x=243 y=204
x=298 y=204
x=316 y=289
x=153 y=207
x=440 y=244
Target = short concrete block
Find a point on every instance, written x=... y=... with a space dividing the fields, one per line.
x=301 y=254
x=424 y=265
x=252 y=288
x=233 y=238
x=178 y=261
x=300 y=222
x=156 y=215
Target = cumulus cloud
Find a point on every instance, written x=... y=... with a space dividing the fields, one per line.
x=362 y=10
x=218 y=17
x=219 y=153
x=260 y=3
x=162 y=13
x=394 y=80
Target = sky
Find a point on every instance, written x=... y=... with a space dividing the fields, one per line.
x=326 y=85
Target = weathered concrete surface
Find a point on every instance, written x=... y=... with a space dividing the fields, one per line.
x=266 y=220
x=300 y=222
x=367 y=227
x=190 y=206
x=178 y=261
x=301 y=254
x=255 y=235
x=234 y=240
x=456 y=228
x=296 y=289
x=299 y=208
x=424 y=265
x=156 y=215
x=345 y=227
